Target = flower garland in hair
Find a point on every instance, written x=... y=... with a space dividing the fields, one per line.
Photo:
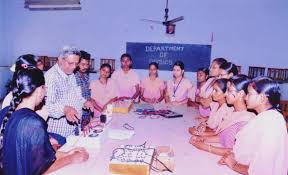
x=25 y=66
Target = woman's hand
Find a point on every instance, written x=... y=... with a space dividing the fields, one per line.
x=197 y=138
x=205 y=102
x=154 y=100
x=104 y=107
x=228 y=159
x=149 y=100
x=193 y=131
x=175 y=103
x=53 y=141
x=198 y=144
x=78 y=155
x=124 y=98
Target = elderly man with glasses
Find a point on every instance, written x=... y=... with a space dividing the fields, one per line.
x=64 y=100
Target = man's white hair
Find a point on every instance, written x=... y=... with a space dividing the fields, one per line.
x=69 y=50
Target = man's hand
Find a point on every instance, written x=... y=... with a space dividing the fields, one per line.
x=89 y=105
x=71 y=114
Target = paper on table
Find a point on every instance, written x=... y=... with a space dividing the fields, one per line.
x=120 y=134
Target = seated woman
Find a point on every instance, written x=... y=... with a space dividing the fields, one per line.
x=24 y=62
x=33 y=153
x=179 y=89
x=261 y=145
x=227 y=130
x=202 y=75
x=27 y=60
x=219 y=110
x=152 y=88
x=205 y=94
x=126 y=79
x=104 y=90
x=228 y=70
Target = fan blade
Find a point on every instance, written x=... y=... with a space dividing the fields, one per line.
x=152 y=21
x=176 y=20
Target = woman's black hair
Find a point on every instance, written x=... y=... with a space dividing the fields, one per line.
x=240 y=82
x=220 y=61
x=25 y=82
x=107 y=66
x=126 y=55
x=23 y=62
x=268 y=87
x=205 y=70
x=180 y=64
x=39 y=61
x=222 y=83
x=154 y=64
x=229 y=68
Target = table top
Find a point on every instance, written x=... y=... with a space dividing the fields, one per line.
x=156 y=132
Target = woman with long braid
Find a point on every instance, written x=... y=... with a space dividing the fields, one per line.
x=19 y=123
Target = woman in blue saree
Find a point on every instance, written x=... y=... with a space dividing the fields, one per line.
x=24 y=141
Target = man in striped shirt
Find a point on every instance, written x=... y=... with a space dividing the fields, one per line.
x=64 y=99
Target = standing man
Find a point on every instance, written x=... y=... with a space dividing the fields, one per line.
x=64 y=98
x=82 y=74
x=82 y=79
x=126 y=79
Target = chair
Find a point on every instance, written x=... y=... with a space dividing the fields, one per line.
x=48 y=61
x=92 y=65
x=284 y=110
x=52 y=60
x=278 y=74
x=284 y=107
x=256 y=71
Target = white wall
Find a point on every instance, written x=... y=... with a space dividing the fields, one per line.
x=2 y=41
x=246 y=32
x=4 y=71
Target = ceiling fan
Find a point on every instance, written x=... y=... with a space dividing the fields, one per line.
x=170 y=24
